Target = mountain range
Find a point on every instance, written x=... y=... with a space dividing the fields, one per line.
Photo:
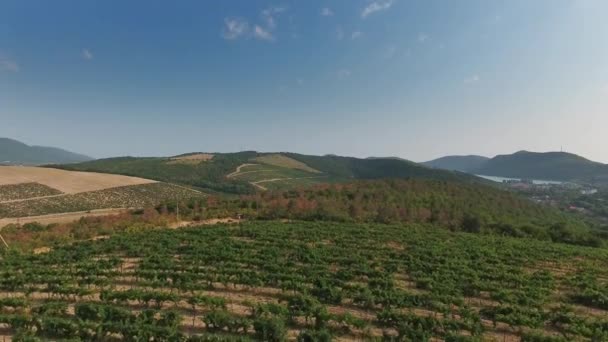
x=558 y=166
x=13 y=152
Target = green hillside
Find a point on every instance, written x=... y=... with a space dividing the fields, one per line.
x=551 y=166
x=246 y=172
x=458 y=163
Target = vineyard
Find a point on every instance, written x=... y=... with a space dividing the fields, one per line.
x=15 y=192
x=306 y=281
x=134 y=196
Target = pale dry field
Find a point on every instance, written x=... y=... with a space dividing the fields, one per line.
x=284 y=161
x=69 y=182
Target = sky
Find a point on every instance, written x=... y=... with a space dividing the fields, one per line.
x=417 y=79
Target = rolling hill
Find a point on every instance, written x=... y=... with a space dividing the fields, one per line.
x=559 y=166
x=458 y=163
x=244 y=172
x=13 y=152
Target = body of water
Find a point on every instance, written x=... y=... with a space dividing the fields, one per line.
x=534 y=181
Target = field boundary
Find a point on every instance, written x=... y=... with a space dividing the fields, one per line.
x=61 y=217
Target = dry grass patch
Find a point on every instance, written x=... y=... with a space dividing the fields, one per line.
x=191 y=159
x=286 y=162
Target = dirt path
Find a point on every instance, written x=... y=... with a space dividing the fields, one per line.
x=185 y=224
x=256 y=171
x=61 y=218
x=32 y=198
x=185 y=188
x=257 y=184
x=238 y=169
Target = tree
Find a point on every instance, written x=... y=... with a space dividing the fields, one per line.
x=270 y=329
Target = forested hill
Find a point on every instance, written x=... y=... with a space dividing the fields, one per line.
x=458 y=163
x=454 y=205
x=551 y=165
x=13 y=152
x=244 y=172
x=356 y=168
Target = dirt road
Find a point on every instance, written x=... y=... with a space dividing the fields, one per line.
x=238 y=170
x=257 y=184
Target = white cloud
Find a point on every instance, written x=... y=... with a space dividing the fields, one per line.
x=605 y=89
x=343 y=73
x=87 y=54
x=326 y=12
x=472 y=79
x=8 y=65
x=356 y=35
x=268 y=15
x=235 y=28
x=377 y=6
x=262 y=34
x=423 y=37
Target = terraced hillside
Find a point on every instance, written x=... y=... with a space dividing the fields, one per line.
x=246 y=172
x=274 y=281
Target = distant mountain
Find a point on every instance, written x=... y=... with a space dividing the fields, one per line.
x=458 y=163
x=559 y=166
x=13 y=152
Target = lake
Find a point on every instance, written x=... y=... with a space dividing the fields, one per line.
x=534 y=181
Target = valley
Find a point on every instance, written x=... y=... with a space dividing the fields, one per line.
x=275 y=247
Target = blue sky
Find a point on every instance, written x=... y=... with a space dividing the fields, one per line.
x=411 y=78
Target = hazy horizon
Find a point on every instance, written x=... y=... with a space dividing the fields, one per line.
x=282 y=151
x=413 y=79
